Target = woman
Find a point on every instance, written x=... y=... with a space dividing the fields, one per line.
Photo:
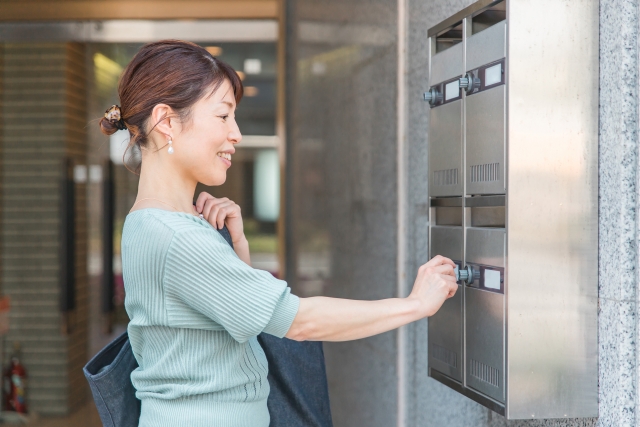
x=195 y=304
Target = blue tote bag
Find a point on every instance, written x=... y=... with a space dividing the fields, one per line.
x=299 y=394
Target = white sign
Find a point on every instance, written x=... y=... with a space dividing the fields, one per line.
x=492 y=279
x=493 y=75
x=452 y=90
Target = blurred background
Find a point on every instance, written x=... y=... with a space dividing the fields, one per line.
x=66 y=188
x=331 y=176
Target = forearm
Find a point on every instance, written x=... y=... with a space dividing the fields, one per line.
x=333 y=319
x=241 y=247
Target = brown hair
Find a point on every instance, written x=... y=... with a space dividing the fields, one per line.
x=172 y=72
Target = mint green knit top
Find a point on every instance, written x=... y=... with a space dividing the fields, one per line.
x=195 y=311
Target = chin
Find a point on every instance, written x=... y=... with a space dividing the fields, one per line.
x=214 y=181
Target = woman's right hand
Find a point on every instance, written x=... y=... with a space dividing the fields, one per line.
x=335 y=319
x=435 y=283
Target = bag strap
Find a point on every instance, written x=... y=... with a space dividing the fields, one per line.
x=227 y=236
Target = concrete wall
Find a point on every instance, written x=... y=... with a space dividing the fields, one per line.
x=342 y=156
x=344 y=195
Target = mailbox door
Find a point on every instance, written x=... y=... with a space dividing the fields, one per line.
x=485 y=342
x=445 y=153
x=445 y=327
x=486 y=113
x=486 y=130
x=485 y=312
x=445 y=127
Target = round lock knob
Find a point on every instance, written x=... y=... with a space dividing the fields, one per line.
x=469 y=82
x=466 y=275
x=432 y=96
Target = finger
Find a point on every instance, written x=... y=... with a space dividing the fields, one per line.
x=212 y=203
x=205 y=204
x=200 y=201
x=206 y=210
x=223 y=213
x=220 y=212
x=444 y=269
x=439 y=260
x=452 y=291
x=218 y=205
x=448 y=278
x=213 y=216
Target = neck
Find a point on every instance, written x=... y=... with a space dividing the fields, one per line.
x=161 y=180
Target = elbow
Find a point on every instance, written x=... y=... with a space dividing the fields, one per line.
x=301 y=331
x=306 y=325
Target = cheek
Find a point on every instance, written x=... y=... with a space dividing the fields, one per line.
x=207 y=142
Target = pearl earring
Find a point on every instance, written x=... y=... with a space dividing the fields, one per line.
x=170 y=150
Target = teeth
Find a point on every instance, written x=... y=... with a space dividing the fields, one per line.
x=225 y=156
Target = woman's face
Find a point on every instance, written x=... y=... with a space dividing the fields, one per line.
x=205 y=144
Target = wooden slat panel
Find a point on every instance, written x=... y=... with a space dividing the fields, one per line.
x=44 y=115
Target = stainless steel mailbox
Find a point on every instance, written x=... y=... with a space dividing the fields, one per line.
x=513 y=128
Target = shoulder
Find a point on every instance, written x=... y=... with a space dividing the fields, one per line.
x=159 y=227
x=164 y=222
x=181 y=234
x=144 y=223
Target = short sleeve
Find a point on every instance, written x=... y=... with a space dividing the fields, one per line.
x=205 y=278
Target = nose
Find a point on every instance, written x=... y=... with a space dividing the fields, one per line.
x=234 y=134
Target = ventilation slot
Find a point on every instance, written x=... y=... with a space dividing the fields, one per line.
x=446 y=177
x=485 y=173
x=444 y=355
x=484 y=373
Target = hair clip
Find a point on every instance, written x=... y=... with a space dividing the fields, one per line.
x=114 y=116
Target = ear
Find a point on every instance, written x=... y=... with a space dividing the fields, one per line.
x=163 y=121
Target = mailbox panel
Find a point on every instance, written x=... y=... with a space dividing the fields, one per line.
x=487 y=46
x=485 y=135
x=445 y=327
x=447 y=241
x=447 y=64
x=486 y=246
x=445 y=150
x=485 y=342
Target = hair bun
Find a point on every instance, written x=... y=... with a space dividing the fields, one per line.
x=108 y=127
x=112 y=121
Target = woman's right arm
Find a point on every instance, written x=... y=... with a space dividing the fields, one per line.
x=334 y=319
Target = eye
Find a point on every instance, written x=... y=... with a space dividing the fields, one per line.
x=224 y=118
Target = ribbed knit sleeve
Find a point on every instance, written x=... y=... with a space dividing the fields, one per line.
x=207 y=286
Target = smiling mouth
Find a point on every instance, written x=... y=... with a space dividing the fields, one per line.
x=225 y=156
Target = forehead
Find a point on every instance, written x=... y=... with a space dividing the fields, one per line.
x=223 y=95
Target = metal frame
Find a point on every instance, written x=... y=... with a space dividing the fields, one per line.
x=458 y=17
x=551 y=209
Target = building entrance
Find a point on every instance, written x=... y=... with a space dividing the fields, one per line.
x=66 y=188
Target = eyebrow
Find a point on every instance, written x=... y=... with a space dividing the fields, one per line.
x=228 y=103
